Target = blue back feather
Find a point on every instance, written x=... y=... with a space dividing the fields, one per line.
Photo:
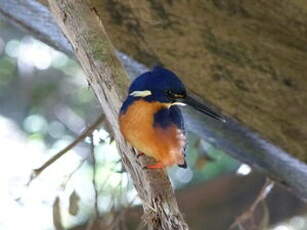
x=167 y=117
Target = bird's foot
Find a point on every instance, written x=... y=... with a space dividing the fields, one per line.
x=158 y=165
x=138 y=155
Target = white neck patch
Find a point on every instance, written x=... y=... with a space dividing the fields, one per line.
x=174 y=103
x=179 y=103
x=143 y=93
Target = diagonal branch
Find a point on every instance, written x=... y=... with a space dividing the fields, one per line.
x=247 y=214
x=82 y=25
x=86 y=133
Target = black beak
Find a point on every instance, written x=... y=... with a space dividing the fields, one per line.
x=202 y=108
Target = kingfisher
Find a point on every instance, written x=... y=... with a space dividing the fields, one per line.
x=151 y=121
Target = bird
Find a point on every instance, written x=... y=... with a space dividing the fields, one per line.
x=151 y=121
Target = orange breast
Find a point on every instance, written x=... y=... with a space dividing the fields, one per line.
x=164 y=144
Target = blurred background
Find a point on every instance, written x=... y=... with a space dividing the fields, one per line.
x=45 y=104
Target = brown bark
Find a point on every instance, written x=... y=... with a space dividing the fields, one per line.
x=84 y=28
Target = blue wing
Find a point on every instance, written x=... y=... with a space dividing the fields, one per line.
x=167 y=117
x=177 y=117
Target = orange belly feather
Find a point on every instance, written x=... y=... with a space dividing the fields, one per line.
x=163 y=144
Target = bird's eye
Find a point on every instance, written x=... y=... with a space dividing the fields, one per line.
x=170 y=94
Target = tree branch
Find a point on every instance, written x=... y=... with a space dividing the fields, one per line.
x=247 y=214
x=84 y=28
x=86 y=133
x=92 y=149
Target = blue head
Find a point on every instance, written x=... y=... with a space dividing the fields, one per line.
x=158 y=85
x=162 y=85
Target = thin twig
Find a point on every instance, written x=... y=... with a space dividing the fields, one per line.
x=94 y=218
x=94 y=176
x=73 y=172
x=265 y=190
x=87 y=132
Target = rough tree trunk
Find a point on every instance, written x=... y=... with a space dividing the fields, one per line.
x=84 y=28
